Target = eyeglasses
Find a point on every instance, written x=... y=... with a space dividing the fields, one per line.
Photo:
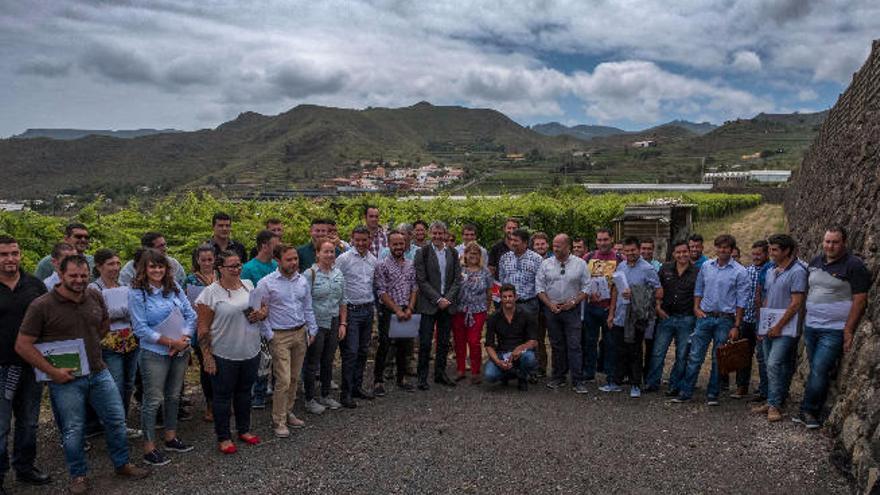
x=84 y=237
x=562 y=268
x=232 y=267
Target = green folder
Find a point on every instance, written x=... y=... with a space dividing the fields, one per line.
x=66 y=360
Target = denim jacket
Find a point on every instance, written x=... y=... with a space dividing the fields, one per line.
x=149 y=309
x=327 y=294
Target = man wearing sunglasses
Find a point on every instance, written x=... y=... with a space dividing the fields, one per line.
x=562 y=283
x=75 y=234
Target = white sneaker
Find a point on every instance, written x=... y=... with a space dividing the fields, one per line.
x=333 y=385
x=329 y=403
x=314 y=407
x=133 y=433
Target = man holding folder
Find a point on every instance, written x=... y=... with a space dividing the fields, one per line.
x=76 y=313
x=395 y=280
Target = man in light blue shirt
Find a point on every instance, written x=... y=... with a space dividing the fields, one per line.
x=720 y=296
x=412 y=249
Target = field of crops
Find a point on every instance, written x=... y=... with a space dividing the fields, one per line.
x=186 y=220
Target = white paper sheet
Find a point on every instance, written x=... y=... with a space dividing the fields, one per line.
x=769 y=317
x=599 y=285
x=58 y=347
x=404 y=329
x=173 y=326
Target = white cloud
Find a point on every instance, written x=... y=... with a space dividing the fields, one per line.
x=807 y=95
x=746 y=61
x=197 y=59
x=642 y=92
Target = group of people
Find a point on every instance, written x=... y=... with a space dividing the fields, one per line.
x=259 y=323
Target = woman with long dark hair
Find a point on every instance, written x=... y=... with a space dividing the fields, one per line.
x=203 y=275
x=119 y=348
x=164 y=321
x=230 y=344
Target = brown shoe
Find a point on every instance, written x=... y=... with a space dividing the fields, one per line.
x=773 y=414
x=132 y=472
x=78 y=486
x=740 y=393
x=760 y=409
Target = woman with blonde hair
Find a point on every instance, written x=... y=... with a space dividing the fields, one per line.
x=475 y=298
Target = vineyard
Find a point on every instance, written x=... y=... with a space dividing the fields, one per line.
x=185 y=220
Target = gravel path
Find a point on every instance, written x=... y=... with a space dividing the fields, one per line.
x=492 y=439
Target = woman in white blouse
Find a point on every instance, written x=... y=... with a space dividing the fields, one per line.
x=229 y=336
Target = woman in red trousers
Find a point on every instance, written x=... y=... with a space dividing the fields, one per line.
x=474 y=299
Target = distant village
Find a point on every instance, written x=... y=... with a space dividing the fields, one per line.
x=387 y=177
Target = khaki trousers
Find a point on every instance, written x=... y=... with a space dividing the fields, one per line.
x=288 y=349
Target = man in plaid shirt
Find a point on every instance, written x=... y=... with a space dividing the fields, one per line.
x=395 y=282
x=519 y=267
x=378 y=239
x=750 y=326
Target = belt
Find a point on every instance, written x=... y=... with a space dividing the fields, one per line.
x=360 y=306
x=718 y=314
x=294 y=329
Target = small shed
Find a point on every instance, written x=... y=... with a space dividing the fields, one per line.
x=663 y=222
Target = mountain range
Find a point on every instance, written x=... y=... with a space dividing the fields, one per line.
x=309 y=144
x=587 y=132
x=66 y=134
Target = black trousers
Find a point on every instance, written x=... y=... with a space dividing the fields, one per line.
x=319 y=360
x=402 y=348
x=626 y=357
x=443 y=321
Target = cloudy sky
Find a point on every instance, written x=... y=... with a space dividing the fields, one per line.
x=194 y=64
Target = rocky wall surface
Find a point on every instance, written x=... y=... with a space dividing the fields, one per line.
x=839 y=182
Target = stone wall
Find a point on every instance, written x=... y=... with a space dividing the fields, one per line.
x=839 y=182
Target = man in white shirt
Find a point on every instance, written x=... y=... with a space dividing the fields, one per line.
x=562 y=283
x=289 y=298
x=153 y=240
x=357 y=266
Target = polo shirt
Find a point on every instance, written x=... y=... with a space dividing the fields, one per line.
x=780 y=285
x=254 y=270
x=13 y=305
x=504 y=336
x=52 y=317
x=832 y=286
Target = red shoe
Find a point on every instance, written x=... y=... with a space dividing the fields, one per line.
x=249 y=439
x=230 y=449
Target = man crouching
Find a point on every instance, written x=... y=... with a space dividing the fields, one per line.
x=511 y=337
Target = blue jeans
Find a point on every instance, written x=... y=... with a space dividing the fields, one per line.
x=777 y=352
x=678 y=328
x=70 y=399
x=232 y=389
x=123 y=368
x=595 y=321
x=525 y=365
x=762 y=369
x=163 y=377
x=355 y=347
x=709 y=329
x=22 y=403
x=824 y=346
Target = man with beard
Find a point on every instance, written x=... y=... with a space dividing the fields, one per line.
x=75 y=234
x=74 y=312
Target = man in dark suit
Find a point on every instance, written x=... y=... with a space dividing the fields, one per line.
x=438 y=275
